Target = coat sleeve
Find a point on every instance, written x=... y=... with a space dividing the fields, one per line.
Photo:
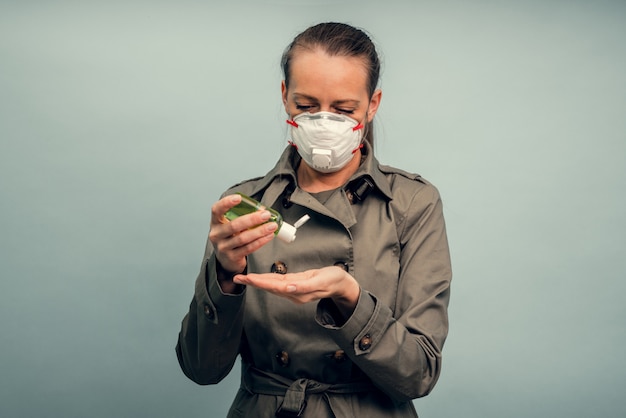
x=400 y=349
x=210 y=335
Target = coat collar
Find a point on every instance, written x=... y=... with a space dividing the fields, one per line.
x=283 y=174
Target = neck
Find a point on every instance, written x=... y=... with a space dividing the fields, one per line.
x=313 y=181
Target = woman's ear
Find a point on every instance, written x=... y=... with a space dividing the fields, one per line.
x=283 y=92
x=374 y=103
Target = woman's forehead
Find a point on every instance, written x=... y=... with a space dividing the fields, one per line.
x=317 y=71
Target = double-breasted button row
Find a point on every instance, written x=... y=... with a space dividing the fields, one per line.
x=342 y=264
x=339 y=356
x=279 y=267
x=283 y=358
x=209 y=312
x=365 y=343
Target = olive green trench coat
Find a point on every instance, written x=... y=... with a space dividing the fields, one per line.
x=386 y=228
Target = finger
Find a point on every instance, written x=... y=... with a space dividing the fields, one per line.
x=221 y=229
x=248 y=241
x=314 y=284
x=267 y=281
x=290 y=286
x=219 y=209
x=249 y=222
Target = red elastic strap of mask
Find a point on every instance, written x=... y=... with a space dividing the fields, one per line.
x=359 y=126
x=357 y=148
x=292 y=123
x=292 y=144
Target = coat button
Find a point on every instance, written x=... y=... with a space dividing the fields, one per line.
x=287 y=203
x=342 y=264
x=279 y=267
x=208 y=311
x=365 y=343
x=339 y=356
x=283 y=358
x=350 y=196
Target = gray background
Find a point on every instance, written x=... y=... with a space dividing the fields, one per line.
x=122 y=121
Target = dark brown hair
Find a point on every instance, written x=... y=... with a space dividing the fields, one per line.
x=343 y=40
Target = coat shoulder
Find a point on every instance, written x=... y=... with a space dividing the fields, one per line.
x=389 y=170
x=413 y=197
x=246 y=187
x=406 y=185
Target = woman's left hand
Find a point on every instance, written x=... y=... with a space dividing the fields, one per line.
x=308 y=286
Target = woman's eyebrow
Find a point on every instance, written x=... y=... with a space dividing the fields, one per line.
x=302 y=96
x=346 y=102
x=342 y=102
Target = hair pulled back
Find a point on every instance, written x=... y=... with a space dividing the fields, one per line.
x=338 y=39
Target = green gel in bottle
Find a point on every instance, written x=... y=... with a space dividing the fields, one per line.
x=285 y=231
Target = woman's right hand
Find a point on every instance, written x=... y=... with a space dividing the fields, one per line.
x=234 y=240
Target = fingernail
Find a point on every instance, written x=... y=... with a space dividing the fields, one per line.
x=265 y=215
x=291 y=288
x=271 y=227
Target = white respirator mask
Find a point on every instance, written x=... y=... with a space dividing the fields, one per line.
x=326 y=141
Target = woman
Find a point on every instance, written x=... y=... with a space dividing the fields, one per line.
x=348 y=320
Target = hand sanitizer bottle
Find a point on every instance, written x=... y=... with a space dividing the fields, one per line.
x=286 y=232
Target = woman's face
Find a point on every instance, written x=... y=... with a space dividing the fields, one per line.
x=338 y=84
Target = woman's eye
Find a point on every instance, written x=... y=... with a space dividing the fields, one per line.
x=348 y=111
x=304 y=107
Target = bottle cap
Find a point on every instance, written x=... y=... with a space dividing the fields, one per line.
x=287 y=232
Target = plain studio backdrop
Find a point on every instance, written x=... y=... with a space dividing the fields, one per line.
x=121 y=122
